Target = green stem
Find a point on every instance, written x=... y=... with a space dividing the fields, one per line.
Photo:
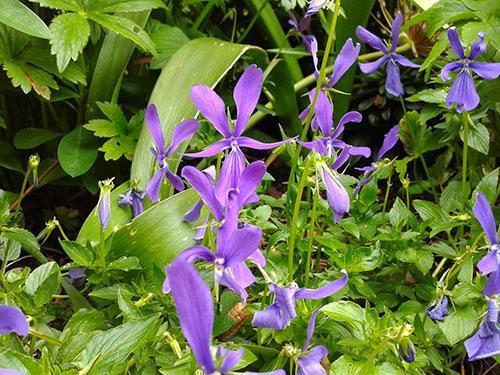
x=387 y=191
x=295 y=217
x=5 y=259
x=204 y=13
x=464 y=159
x=48 y=339
x=403 y=106
x=252 y=22
x=23 y=187
x=311 y=235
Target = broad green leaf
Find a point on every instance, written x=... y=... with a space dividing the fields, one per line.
x=112 y=6
x=78 y=253
x=171 y=93
x=29 y=77
x=459 y=324
x=9 y=158
x=21 y=362
x=27 y=240
x=72 y=5
x=109 y=350
x=70 y=34
x=43 y=282
x=78 y=301
x=29 y=138
x=429 y=96
x=479 y=137
x=168 y=40
x=425 y=4
x=345 y=311
x=18 y=16
x=488 y=186
x=399 y=214
x=451 y=197
x=126 y=28
x=77 y=151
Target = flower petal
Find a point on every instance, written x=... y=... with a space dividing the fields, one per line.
x=396 y=26
x=324 y=291
x=485 y=70
x=212 y=107
x=310 y=363
x=352 y=116
x=390 y=140
x=492 y=286
x=478 y=47
x=317 y=145
x=230 y=173
x=393 y=83
x=401 y=60
x=370 y=67
x=370 y=39
x=463 y=93
x=323 y=112
x=246 y=95
x=310 y=329
x=8 y=371
x=242 y=244
x=182 y=132
x=314 y=7
x=336 y=194
x=194 y=212
x=230 y=358
x=154 y=126
x=249 y=180
x=226 y=278
x=341 y=159
x=489 y=263
x=257 y=145
x=285 y=299
x=270 y=318
x=203 y=185
x=455 y=42
x=195 y=310
x=193 y=253
x=211 y=150
x=484 y=214
x=450 y=68
x=153 y=186
x=242 y=274
x=311 y=45
x=12 y=319
x=258 y=258
x=175 y=180
x=346 y=57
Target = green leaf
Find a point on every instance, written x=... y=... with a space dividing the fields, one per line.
x=437 y=96
x=77 y=151
x=72 y=5
x=43 y=282
x=27 y=240
x=479 y=137
x=21 y=362
x=29 y=138
x=9 y=158
x=78 y=253
x=459 y=324
x=130 y=311
x=78 y=301
x=107 y=352
x=488 y=186
x=18 y=16
x=168 y=40
x=103 y=128
x=112 y=6
x=345 y=311
x=451 y=197
x=126 y=28
x=29 y=77
x=125 y=264
x=399 y=214
x=70 y=34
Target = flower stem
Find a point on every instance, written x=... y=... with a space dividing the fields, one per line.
x=311 y=234
x=387 y=191
x=295 y=217
x=23 y=187
x=464 y=158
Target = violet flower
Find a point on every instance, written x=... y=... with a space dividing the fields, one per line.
x=195 y=311
x=282 y=311
x=105 y=202
x=390 y=140
x=246 y=95
x=8 y=371
x=308 y=40
x=314 y=7
x=463 y=92
x=12 y=319
x=181 y=133
x=76 y=274
x=438 y=311
x=336 y=194
x=393 y=83
x=234 y=246
x=134 y=198
x=407 y=351
x=490 y=263
x=309 y=362
x=486 y=341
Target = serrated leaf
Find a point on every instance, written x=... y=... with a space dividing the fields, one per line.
x=103 y=128
x=27 y=240
x=73 y=5
x=479 y=137
x=77 y=151
x=43 y=282
x=70 y=34
x=488 y=185
x=451 y=198
x=459 y=324
x=29 y=138
x=168 y=40
x=437 y=96
x=78 y=253
x=18 y=16
x=399 y=213
x=117 y=147
x=112 y=6
x=29 y=77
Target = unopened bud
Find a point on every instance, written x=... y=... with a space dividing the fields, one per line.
x=33 y=163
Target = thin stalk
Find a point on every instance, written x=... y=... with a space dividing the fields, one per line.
x=388 y=189
x=464 y=159
x=429 y=178
x=5 y=259
x=295 y=217
x=204 y=13
x=252 y=22
x=48 y=339
x=311 y=235
x=23 y=187
x=403 y=106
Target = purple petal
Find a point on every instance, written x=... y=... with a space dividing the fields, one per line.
x=242 y=244
x=12 y=319
x=246 y=95
x=341 y=159
x=203 y=185
x=153 y=186
x=225 y=278
x=248 y=182
x=489 y=263
x=484 y=214
x=390 y=140
x=310 y=363
x=317 y=146
x=258 y=258
x=104 y=209
x=324 y=291
x=370 y=67
x=230 y=358
x=352 y=116
x=242 y=274
x=175 y=180
x=269 y=318
x=154 y=126
x=323 y=112
x=455 y=42
x=76 y=274
x=437 y=312
x=492 y=286
x=182 y=132
x=346 y=57
x=336 y=194
x=257 y=145
x=195 y=310
x=485 y=70
x=450 y=68
x=232 y=168
x=396 y=25
x=8 y=371
x=401 y=60
x=285 y=299
x=192 y=254
x=478 y=47
x=310 y=329
x=229 y=224
x=371 y=39
x=314 y=7
x=194 y=212
x=311 y=45
x=486 y=341
x=274 y=372
x=393 y=83
x=212 y=107
x=463 y=93
x=211 y=150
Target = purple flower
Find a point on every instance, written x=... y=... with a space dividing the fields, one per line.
x=314 y=7
x=486 y=341
x=235 y=244
x=390 y=140
x=309 y=362
x=393 y=83
x=195 y=311
x=309 y=41
x=76 y=274
x=12 y=319
x=7 y=371
x=182 y=132
x=438 y=311
x=463 y=92
x=489 y=264
x=105 y=202
x=133 y=197
x=246 y=95
x=282 y=311
x=336 y=194
x=407 y=351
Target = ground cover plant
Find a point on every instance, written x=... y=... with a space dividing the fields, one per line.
x=258 y=186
